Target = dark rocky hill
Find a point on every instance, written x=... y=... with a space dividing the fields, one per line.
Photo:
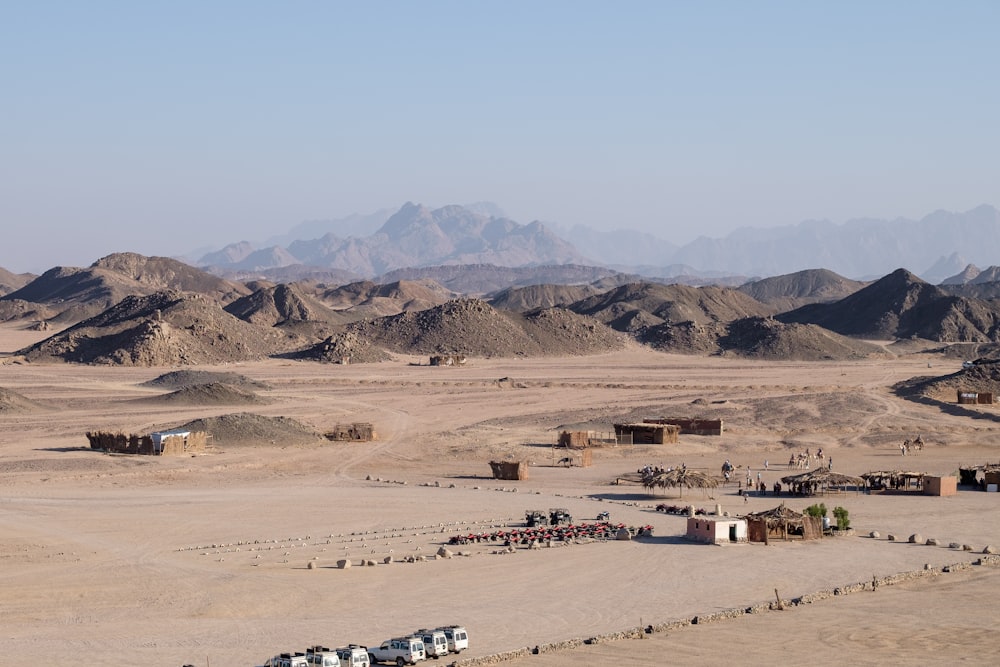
x=766 y=338
x=343 y=347
x=246 y=428
x=164 y=328
x=982 y=377
x=368 y=299
x=474 y=328
x=78 y=293
x=281 y=304
x=634 y=306
x=190 y=378
x=901 y=305
x=212 y=393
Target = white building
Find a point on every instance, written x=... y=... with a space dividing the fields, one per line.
x=716 y=529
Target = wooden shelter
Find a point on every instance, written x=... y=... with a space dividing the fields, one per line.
x=448 y=360
x=575 y=439
x=162 y=443
x=975 y=397
x=358 y=431
x=970 y=475
x=782 y=523
x=646 y=434
x=894 y=480
x=515 y=470
x=820 y=480
x=691 y=426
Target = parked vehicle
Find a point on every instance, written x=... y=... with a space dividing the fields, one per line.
x=400 y=650
x=435 y=642
x=559 y=516
x=353 y=655
x=288 y=660
x=458 y=638
x=321 y=656
x=534 y=518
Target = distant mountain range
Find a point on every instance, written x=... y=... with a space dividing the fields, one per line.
x=936 y=247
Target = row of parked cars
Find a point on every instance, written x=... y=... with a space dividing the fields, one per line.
x=406 y=650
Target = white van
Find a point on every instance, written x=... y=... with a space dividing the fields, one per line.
x=435 y=642
x=400 y=650
x=458 y=638
x=353 y=656
x=288 y=660
x=321 y=656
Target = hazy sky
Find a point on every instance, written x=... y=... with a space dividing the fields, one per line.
x=160 y=127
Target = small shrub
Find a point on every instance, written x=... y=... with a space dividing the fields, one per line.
x=818 y=510
x=843 y=523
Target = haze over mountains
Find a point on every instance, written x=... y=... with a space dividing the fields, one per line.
x=468 y=280
x=415 y=237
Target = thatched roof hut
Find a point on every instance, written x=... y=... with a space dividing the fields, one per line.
x=782 y=523
x=679 y=477
x=821 y=480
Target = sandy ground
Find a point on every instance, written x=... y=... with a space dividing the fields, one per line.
x=205 y=560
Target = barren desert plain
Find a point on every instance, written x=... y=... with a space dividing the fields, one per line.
x=205 y=560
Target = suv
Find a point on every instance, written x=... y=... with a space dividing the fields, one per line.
x=321 y=656
x=288 y=660
x=435 y=642
x=353 y=656
x=401 y=650
x=458 y=638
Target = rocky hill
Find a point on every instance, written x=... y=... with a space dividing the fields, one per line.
x=212 y=393
x=792 y=290
x=982 y=377
x=901 y=305
x=766 y=338
x=246 y=428
x=635 y=306
x=164 y=328
x=532 y=297
x=368 y=299
x=343 y=347
x=10 y=282
x=78 y=293
x=473 y=327
x=282 y=304
x=190 y=378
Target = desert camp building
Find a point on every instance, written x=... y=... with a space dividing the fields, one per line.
x=646 y=434
x=162 y=443
x=690 y=426
x=716 y=529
